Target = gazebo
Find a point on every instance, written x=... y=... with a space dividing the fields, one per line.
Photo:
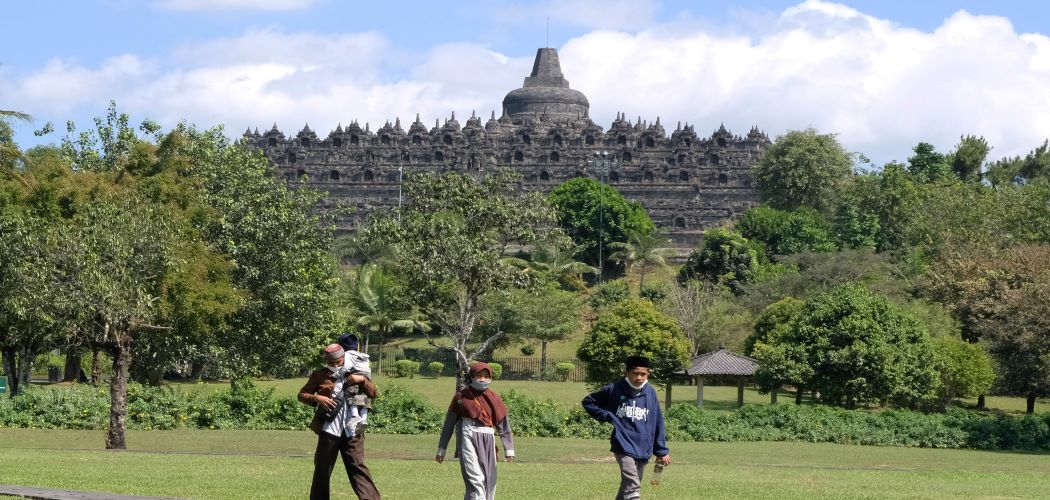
x=721 y=363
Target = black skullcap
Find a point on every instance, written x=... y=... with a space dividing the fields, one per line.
x=636 y=362
x=349 y=341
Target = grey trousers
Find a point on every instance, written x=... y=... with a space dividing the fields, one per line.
x=477 y=463
x=631 y=472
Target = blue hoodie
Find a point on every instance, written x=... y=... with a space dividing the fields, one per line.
x=638 y=423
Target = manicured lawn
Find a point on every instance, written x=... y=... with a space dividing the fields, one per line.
x=276 y=464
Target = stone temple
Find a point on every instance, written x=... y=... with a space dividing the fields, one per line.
x=687 y=183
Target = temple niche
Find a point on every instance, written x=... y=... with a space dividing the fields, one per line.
x=687 y=183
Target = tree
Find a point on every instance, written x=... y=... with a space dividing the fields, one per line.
x=1034 y=167
x=787 y=232
x=589 y=211
x=544 y=314
x=859 y=347
x=997 y=298
x=378 y=299
x=968 y=157
x=281 y=248
x=928 y=165
x=642 y=250
x=965 y=369
x=782 y=363
x=803 y=169
x=633 y=327
x=450 y=240
x=878 y=210
x=727 y=258
x=29 y=275
x=551 y=262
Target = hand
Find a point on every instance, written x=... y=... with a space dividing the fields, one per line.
x=664 y=460
x=439 y=458
x=325 y=401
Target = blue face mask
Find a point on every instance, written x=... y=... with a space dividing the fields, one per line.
x=480 y=385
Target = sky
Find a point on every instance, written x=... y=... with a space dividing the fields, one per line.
x=882 y=75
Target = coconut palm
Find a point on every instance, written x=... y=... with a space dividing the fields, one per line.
x=376 y=298
x=556 y=263
x=642 y=250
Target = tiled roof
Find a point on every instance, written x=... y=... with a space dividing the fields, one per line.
x=722 y=362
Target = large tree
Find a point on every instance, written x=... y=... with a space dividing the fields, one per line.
x=803 y=169
x=633 y=327
x=450 y=239
x=968 y=158
x=642 y=251
x=787 y=232
x=854 y=347
x=591 y=212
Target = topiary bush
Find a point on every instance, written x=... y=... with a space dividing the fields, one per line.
x=497 y=370
x=434 y=368
x=564 y=370
x=406 y=368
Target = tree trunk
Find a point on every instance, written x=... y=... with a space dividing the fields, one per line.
x=543 y=357
x=25 y=368
x=196 y=369
x=798 y=395
x=96 y=366
x=73 y=370
x=980 y=402
x=9 y=370
x=118 y=391
x=1030 y=408
x=154 y=376
x=641 y=279
x=667 y=395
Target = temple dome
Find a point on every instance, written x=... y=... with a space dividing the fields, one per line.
x=547 y=92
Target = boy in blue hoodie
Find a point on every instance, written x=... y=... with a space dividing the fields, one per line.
x=633 y=409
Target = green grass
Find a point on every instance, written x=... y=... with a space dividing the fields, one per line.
x=275 y=464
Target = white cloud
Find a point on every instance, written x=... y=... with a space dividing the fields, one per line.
x=212 y=5
x=881 y=86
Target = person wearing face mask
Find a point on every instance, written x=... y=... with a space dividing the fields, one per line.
x=334 y=435
x=633 y=409
x=476 y=415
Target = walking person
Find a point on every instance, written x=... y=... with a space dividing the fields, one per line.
x=476 y=415
x=332 y=436
x=633 y=409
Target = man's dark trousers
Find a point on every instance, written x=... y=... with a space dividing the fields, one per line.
x=353 y=452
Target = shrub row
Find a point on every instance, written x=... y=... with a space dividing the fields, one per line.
x=400 y=411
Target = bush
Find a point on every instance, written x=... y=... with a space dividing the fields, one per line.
x=654 y=292
x=564 y=370
x=497 y=370
x=406 y=368
x=435 y=368
x=400 y=411
x=609 y=293
x=528 y=350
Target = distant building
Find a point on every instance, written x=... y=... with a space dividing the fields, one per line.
x=685 y=182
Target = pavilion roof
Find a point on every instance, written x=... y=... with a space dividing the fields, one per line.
x=722 y=362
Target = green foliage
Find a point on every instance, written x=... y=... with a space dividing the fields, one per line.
x=858 y=347
x=528 y=350
x=787 y=232
x=406 y=368
x=563 y=370
x=531 y=417
x=398 y=410
x=588 y=210
x=727 y=258
x=654 y=292
x=609 y=293
x=497 y=370
x=434 y=368
x=968 y=157
x=878 y=210
x=641 y=251
x=633 y=327
x=773 y=322
x=965 y=369
x=803 y=169
x=928 y=165
x=1033 y=168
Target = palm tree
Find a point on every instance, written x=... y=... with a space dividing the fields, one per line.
x=557 y=263
x=376 y=298
x=642 y=250
x=9 y=152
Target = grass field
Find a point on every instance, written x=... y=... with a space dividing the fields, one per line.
x=276 y=464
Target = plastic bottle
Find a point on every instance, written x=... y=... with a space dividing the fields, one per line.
x=658 y=472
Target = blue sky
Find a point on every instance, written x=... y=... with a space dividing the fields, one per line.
x=883 y=75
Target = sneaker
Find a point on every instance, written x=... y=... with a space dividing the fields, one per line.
x=361 y=425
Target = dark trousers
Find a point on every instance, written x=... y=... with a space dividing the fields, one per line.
x=353 y=452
